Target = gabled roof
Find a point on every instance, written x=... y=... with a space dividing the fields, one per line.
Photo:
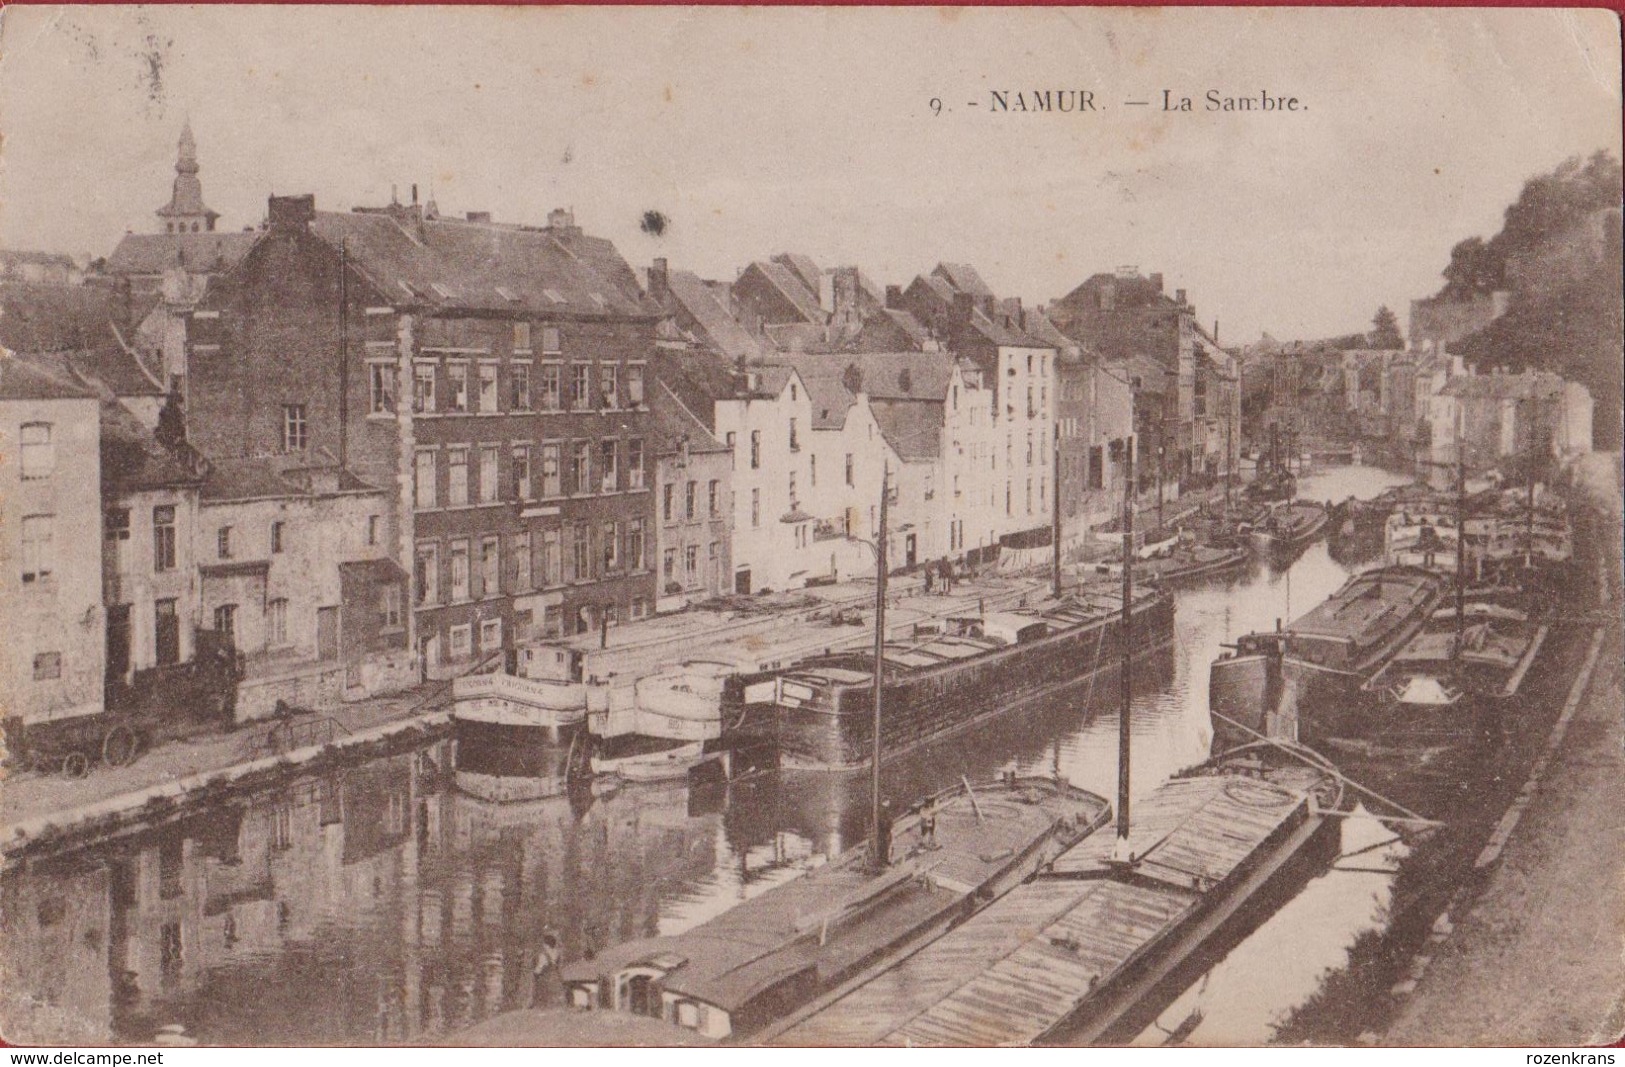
x=1003 y=333
x=706 y=308
x=133 y=458
x=790 y=286
x=445 y=265
x=912 y=427
x=108 y=371
x=804 y=267
x=698 y=379
x=40 y=317
x=963 y=277
x=198 y=253
x=674 y=422
x=910 y=326
x=1128 y=291
x=267 y=477
x=1041 y=329
x=23 y=379
x=936 y=287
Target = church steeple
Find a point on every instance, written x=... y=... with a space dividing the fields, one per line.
x=186 y=212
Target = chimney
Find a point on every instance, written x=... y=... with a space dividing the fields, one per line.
x=844 y=294
x=562 y=219
x=1156 y=281
x=1179 y=294
x=1108 y=294
x=894 y=297
x=658 y=274
x=414 y=192
x=479 y=216
x=292 y=212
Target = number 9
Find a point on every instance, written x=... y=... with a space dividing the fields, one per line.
x=936 y=105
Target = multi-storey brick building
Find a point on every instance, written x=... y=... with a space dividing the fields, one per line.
x=491 y=375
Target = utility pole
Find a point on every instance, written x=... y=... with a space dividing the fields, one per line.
x=344 y=352
x=1127 y=637
x=1055 y=516
x=880 y=653
x=1461 y=551
x=1229 y=454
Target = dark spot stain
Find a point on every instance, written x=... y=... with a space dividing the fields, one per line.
x=654 y=223
x=569 y=154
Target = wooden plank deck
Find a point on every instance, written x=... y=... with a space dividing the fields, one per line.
x=1017 y=969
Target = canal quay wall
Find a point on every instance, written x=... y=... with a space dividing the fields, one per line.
x=43 y=813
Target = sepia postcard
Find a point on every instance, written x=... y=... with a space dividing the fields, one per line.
x=862 y=527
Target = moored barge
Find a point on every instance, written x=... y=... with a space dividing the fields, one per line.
x=938 y=681
x=1090 y=949
x=775 y=953
x=1302 y=681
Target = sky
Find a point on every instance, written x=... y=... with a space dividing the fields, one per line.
x=756 y=131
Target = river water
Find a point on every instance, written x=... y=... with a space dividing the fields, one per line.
x=381 y=905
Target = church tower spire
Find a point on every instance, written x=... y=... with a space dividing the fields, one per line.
x=186 y=212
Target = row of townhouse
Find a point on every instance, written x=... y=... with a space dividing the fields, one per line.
x=492 y=377
x=135 y=561
x=1186 y=387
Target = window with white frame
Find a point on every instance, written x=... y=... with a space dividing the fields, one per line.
x=225 y=622
x=276 y=622
x=389 y=606
x=519 y=387
x=634 y=463
x=163 y=537
x=456 y=476
x=581 y=467
x=609 y=475
x=424 y=482
x=552 y=483
x=519 y=552
x=634 y=545
x=457 y=387
x=488 y=388
x=552 y=558
x=278 y=529
x=580 y=384
x=488 y=473
x=519 y=472
x=222 y=542
x=427 y=574
x=610 y=542
x=117 y=530
x=490 y=567
x=459 y=571
x=608 y=388
x=634 y=384
x=548 y=387
x=460 y=641
x=490 y=635
x=380 y=388
x=295 y=428
x=423 y=399
x=521 y=337
x=39 y=554
x=37 y=455
x=550 y=340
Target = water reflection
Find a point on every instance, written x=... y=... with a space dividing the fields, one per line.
x=383 y=905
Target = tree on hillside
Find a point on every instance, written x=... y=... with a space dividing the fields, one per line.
x=1564 y=314
x=1548 y=205
x=1385 y=330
